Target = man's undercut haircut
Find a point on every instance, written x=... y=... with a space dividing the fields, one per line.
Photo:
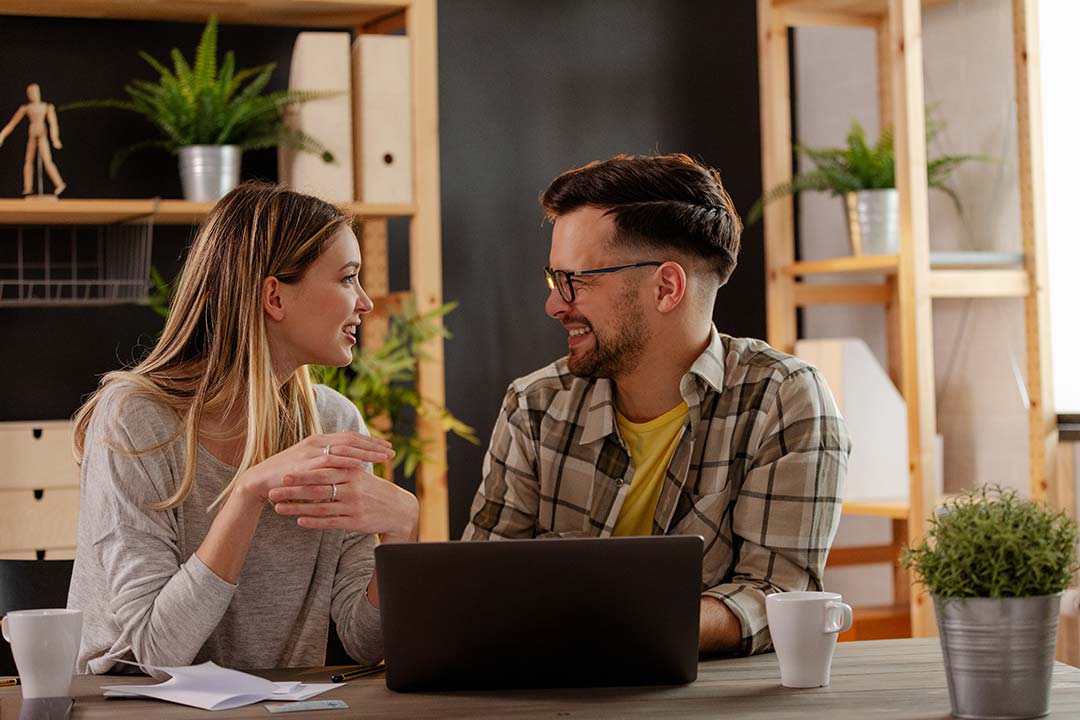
x=657 y=202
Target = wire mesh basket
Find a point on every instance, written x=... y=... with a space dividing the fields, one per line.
x=75 y=264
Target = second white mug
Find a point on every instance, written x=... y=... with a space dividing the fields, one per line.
x=45 y=644
x=804 y=626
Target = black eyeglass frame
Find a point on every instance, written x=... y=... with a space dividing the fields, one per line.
x=552 y=276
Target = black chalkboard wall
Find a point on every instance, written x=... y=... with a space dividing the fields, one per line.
x=526 y=90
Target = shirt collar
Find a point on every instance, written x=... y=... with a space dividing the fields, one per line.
x=709 y=365
x=600 y=412
x=599 y=420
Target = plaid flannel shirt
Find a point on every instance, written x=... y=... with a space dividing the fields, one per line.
x=758 y=471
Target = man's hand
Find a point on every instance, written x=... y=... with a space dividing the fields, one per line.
x=720 y=629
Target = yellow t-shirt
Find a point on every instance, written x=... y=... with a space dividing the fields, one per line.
x=651 y=446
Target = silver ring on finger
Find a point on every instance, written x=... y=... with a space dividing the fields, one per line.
x=333 y=492
x=326 y=450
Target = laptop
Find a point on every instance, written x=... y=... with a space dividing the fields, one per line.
x=574 y=612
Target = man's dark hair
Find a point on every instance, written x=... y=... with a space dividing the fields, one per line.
x=667 y=202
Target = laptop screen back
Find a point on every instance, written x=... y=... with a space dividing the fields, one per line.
x=540 y=613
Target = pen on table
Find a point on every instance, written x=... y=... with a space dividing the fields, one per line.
x=9 y=681
x=358 y=672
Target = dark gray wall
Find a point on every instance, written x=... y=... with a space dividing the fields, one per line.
x=527 y=90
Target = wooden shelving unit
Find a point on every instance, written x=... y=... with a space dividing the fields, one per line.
x=162 y=212
x=417 y=18
x=942 y=282
x=911 y=280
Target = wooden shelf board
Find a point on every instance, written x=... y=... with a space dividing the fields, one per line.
x=808 y=294
x=861 y=555
x=878 y=623
x=841 y=9
x=298 y=13
x=974 y=283
x=849 y=264
x=950 y=279
x=896 y=509
x=33 y=211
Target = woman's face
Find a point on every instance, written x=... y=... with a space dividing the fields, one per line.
x=320 y=315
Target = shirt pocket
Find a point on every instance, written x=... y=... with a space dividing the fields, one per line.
x=702 y=503
x=712 y=478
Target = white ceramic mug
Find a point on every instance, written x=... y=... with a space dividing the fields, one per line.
x=804 y=626
x=45 y=644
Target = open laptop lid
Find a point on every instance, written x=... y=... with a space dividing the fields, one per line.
x=540 y=613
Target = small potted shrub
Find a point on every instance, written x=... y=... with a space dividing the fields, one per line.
x=864 y=175
x=996 y=565
x=209 y=114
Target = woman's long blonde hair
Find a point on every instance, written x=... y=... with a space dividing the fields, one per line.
x=213 y=355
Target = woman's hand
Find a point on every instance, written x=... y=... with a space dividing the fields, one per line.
x=352 y=500
x=331 y=457
x=336 y=457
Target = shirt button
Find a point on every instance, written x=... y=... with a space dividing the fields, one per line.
x=618 y=483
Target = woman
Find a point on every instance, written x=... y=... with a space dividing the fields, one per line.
x=228 y=511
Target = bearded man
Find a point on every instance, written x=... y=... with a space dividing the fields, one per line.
x=655 y=423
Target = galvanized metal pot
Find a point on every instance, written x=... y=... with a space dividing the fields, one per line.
x=999 y=654
x=873 y=221
x=207 y=172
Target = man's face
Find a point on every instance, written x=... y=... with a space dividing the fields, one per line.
x=606 y=322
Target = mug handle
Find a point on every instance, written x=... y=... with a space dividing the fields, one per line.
x=3 y=628
x=837 y=616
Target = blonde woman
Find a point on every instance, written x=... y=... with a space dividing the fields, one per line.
x=228 y=510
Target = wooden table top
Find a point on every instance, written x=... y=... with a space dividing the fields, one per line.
x=878 y=679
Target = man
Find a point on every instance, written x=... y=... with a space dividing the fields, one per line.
x=654 y=423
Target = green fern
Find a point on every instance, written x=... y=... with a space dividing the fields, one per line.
x=206 y=104
x=860 y=166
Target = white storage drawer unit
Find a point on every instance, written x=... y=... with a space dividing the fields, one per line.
x=39 y=490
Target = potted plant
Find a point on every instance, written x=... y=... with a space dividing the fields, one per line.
x=209 y=115
x=864 y=176
x=996 y=565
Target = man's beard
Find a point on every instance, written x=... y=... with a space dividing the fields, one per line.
x=614 y=353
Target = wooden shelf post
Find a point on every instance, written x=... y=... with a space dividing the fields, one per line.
x=425 y=243
x=776 y=167
x=1042 y=420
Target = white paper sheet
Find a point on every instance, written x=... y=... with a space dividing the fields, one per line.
x=211 y=687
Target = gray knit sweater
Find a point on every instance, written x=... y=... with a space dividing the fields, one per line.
x=147 y=597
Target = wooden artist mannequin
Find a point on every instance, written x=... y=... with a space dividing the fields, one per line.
x=37 y=143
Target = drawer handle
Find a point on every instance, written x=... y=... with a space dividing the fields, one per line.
x=37 y=433
x=39 y=493
x=40 y=554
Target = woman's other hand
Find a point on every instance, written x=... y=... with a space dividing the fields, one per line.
x=332 y=457
x=352 y=500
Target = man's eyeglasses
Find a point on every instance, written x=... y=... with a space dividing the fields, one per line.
x=562 y=280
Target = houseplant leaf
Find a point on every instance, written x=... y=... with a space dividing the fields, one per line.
x=202 y=103
x=858 y=166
